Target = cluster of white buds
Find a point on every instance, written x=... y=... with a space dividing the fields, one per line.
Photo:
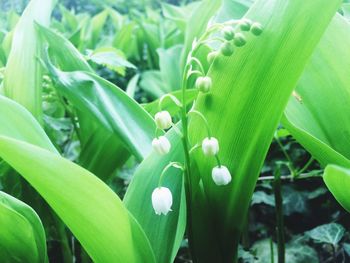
x=161 y=144
x=220 y=174
x=232 y=39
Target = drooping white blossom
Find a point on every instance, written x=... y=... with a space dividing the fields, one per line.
x=161 y=145
x=162 y=200
x=221 y=175
x=210 y=146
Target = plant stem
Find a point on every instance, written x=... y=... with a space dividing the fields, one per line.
x=279 y=216
x=271 y=252
x=187 y=165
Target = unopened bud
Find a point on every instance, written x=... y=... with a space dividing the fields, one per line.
x=210 y=146
x=211 y=56
x=228 y=33
x=163 y=120
x=245 y=24
x=203 y=84
x=227 y=49
x=161 y=145
x=239 y=40
x=256 y=29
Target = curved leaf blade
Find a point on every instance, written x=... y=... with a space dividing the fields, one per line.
x=22 y=236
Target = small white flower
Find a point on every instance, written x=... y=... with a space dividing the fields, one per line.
x=210 y=146
x=163 y=120
x=221 y=175
x=203 y=84
x=162 y=200
x=161 y=145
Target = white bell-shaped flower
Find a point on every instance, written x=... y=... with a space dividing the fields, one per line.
x=161 y=145
x=221 y=175
x=163 y=120
x=162 y=200
x=210 y=146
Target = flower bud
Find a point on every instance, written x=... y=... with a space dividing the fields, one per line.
x=162 y=200
x=245 y=24
x=239 y=40
x=210 y=146
x=228 y=33
x=203 y=84
x=161 y=145
x=226 y=49
x=163 y=120
x=211 y=56
x=221 y=175
x=256 y=29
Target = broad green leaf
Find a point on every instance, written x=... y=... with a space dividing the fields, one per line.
x=23 y=77
x=138 y=201
x=92 y=211
x=169 y=64
x=152 y=83
x=197 y=23
x=98 y=143
x=97 y=23
x=22 y=236
x=63 y=51
x=330 y=233
x=11 y=115
x=318 y=116
x=251 y=89
x=109 y=106
x=337 y=180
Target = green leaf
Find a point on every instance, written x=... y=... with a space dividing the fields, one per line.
x=197 y=23
x=138 y=201
x=152 y=83
x=322 y=125
x=98 y=143
x=109 y=106
x=11 y=115
x=169 y=64
x=22 y=236
x=337 y=180
x=23 y=77
x=252 y=96
x=111 y=58
x=330 y=233
x=91 y=210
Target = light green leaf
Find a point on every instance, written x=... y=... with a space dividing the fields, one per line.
x=318 y=118
x=91 y=210
x=23 y=77
x=22 y=236
x=12 y=114
x=337 y=180
x=138 y=201
x=251 y=89
x=198 y=22
x=330 y=233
